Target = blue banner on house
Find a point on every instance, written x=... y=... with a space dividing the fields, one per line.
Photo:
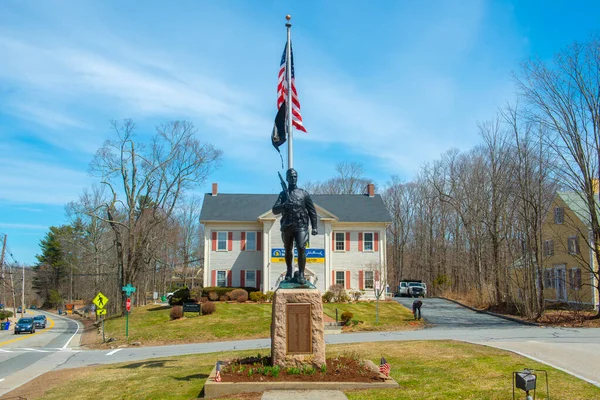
x=312 y=255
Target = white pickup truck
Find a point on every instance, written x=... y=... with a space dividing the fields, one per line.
x=412 y=289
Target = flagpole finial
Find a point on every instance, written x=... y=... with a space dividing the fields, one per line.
x=288 y=17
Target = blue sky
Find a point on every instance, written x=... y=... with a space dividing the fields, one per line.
x=389 y=84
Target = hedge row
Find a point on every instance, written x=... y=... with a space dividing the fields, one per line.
x=222 y=291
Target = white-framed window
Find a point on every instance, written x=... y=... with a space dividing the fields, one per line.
x=222 y=278
x=368 y=241
x=251 y=241
x=559 y=215
x=340 y=278
x=340 y=241
x=548 y=247
x=369 y=279
x=573 y=245
x=549 y=281
x=575 y=279
x=250 y=278
x=221 y=241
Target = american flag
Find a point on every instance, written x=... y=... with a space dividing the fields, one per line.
x=384 y=367
x=282 y=91
x=218 y=375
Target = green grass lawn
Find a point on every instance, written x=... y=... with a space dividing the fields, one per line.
x=392 y=316
x=425 y=370
x=152 y=324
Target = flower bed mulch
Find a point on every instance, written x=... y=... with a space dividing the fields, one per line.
x=339 y=369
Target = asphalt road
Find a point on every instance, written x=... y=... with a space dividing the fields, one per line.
x=441 y=313
x=576 y=351
x=25 y=356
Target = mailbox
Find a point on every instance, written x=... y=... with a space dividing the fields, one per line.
x=525 y=380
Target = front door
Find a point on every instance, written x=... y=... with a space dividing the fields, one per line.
x=561 y=282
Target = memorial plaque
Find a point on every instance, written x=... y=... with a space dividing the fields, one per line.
x=299 y=329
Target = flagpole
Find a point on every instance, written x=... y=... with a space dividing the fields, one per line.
x=288 y=71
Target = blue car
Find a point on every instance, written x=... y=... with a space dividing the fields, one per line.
x=39 y=321
x=25 y=325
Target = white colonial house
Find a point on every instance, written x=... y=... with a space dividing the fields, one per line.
x=243 y=246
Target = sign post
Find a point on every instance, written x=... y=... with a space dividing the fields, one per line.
x=128 y=289
x=100 y=301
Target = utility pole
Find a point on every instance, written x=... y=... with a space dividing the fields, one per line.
x=2 y=266
x=23 y=293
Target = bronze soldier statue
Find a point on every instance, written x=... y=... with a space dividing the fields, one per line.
x=297 y=208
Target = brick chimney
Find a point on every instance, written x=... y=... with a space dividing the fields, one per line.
x=215 y=189
x=371 y=190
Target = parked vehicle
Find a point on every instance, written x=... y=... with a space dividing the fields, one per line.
x=403 y=287
x=40 y=321
x=19 y=310
x=416 y=289
x=25 y=325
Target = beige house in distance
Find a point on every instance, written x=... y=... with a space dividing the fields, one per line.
x=568 y=252
x=243 y=246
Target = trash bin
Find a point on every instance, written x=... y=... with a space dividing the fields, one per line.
x=7 y=325
x=59 y=312
x=2 y=326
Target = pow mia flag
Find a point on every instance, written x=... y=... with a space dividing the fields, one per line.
x=278 y=136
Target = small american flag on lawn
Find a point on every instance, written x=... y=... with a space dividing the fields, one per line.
x=218 y=375
x=384 y=367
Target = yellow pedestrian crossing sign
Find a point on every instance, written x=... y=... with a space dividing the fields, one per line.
x=101 y=311
x=100 y=300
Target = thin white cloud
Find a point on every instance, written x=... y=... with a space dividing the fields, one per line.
x=24 y=226
x=30 y=182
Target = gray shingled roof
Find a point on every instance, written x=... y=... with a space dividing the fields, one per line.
x=248 y=207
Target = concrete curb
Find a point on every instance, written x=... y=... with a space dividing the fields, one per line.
x=493 y=313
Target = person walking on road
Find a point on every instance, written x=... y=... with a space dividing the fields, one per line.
x=417 y=308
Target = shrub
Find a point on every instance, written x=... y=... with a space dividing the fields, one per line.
x=259 y=297
x=339 y=294
x=357 y=294
x=328 y=296
x=203 y=299
x=176 y=312
x=239 y=295
x=5 y=314
x=179 y=297
x=270 y=295
x=213 y=296
x=196 y=293
x=208 y=308
x=346 y=316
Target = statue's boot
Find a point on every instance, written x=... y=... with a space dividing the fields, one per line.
x=301 y=278
x=288 y=274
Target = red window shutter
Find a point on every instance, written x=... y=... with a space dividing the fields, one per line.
x=376 y=275
x=243 y=278
x=347 y=241
x=213 y=277
x=361 y=280
x=360 y=241
x=258 y=279
x=258 y=241
x=229 y=241
x=243 y=242
x=229 y=278
x=332 y=277
x=376 y=245
x=214 y=241
x=347 y=279
x=332 y=241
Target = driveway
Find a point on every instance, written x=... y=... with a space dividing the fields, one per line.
x=441 y=313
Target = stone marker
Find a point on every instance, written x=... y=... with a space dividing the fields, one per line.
x=297 y=331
